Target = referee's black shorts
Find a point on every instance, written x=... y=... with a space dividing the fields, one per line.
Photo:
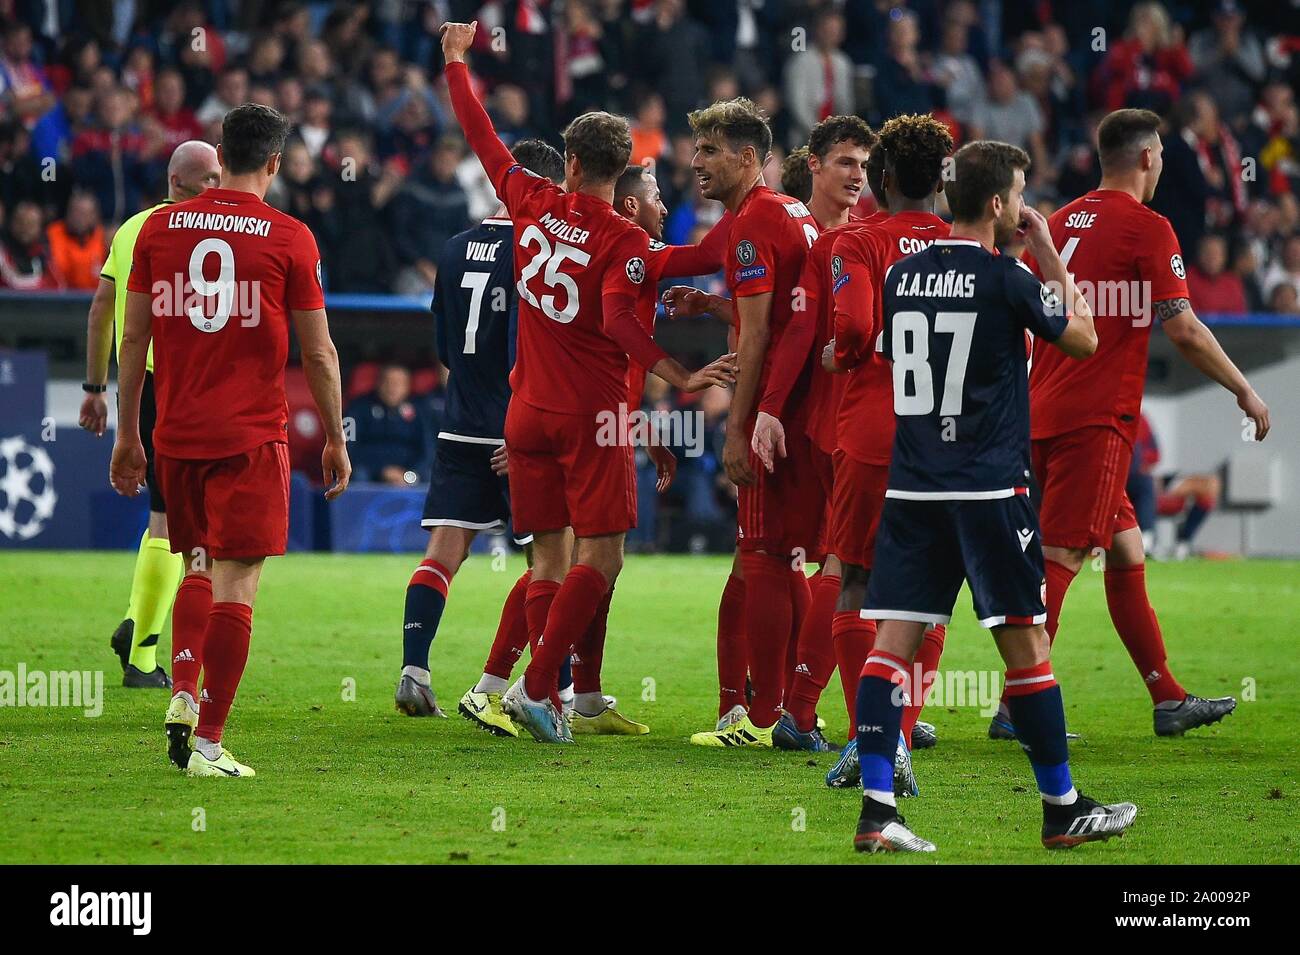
x=149 y=417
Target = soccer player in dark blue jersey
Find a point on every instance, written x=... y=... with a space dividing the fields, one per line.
x=957 y=506
x=474 y=311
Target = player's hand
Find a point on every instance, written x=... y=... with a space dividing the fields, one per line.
x=828 y=359
x=683 y=301
x=336 y=469
x=665 y=466
x=1255 y=409
x=127 y=468
x=768 y=441
x=1035 y=233
x=457 y=38
x=720 y=372
x=94 y=415
x=735 y=459
x=500 y=462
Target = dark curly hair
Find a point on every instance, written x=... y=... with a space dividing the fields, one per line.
x=838 y=129
x=915 y=147
x=796 y=177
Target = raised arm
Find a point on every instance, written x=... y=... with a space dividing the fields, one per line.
x=473 y=118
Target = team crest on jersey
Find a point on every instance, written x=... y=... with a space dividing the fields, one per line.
x=1176 y=264
x=746 y=253
x=1051 y=301
x=636 y=269
x=318 y=277
x=837 y=266
x=656 y=245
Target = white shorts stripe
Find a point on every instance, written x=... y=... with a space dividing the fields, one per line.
x=467 y=525
x=468 y=439
x=911 y=616
x=999 y=621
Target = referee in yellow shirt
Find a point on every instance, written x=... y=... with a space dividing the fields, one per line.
x=193 y=168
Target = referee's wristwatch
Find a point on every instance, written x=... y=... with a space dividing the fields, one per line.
x=90 y=389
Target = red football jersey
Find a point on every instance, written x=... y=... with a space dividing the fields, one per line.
x=859 y=260
x=770 y=238
x=223 y=270
x=1125 y=258
x=579 y=266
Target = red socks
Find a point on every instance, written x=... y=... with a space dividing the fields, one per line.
x=733 y=656
x=537 y=607
x=572 y=609
x=512 y=631
x=225 y=653
x=1059 y=578
x=816 y=654
x=589 y=654
x=1135 y=621
x=927 y=662
x=853 y=638
x=189 y=624
x=769 y=613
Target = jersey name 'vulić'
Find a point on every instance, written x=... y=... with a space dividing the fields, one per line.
x=475 y=311
x=955 y=318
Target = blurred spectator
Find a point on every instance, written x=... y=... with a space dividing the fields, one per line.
x=1147 y=69
x=109 y=158
x=231 y=91
x=173 y=122
x=1285 y=271
x=393 y=437
x=671 y=53
x=1285 y=300
x=20 y=173
x=1011 y=115
x=1213 y=287
x=818 y=82
x=1190 y=496
x=292 y=190
x=1273 y=137
x=53 y=133
x=314 y=130
x=649 y=140
x=25 y=262
x=77 y=246
x=958 y=73
x=1202 y=185
x=349 y=217
x=429 y=210
x=902 y=85
x=24 y=88
x=1229 y=60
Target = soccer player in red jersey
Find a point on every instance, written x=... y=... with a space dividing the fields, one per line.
x=580 y=266
x=221 y=334
x=768 y=242
x=913 y=149
x=1085 y=415
x=839 y=148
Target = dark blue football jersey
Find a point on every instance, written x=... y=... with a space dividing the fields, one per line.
x=475 y=313
x=955 y=320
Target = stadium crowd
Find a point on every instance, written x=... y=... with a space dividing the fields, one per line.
x=91 y=106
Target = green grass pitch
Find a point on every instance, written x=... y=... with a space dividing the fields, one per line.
x=353 y=781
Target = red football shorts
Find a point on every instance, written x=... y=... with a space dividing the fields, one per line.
x=568 y=470
x=235 y=508
x=780 y=513
x=855 y=508
x=1081 y=477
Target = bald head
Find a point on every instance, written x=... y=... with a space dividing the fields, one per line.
x=192 y=168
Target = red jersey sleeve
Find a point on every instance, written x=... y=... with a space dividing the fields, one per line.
x=703 y=259
x=790 y=354
x=303 y=290
x=1160 y=262
x=855 y=301
x=620 y=286
x=753 y=256
x=511 y=181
